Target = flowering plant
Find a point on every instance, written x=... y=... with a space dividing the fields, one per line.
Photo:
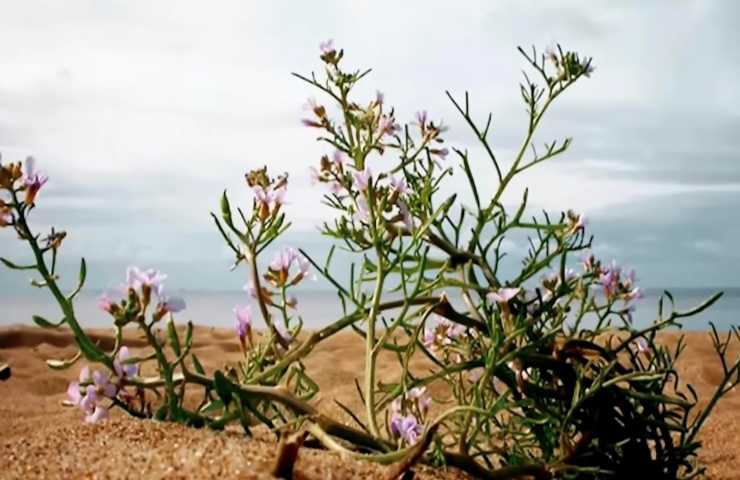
x=544 y=371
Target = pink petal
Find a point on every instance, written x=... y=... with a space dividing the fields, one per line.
x=98 y=414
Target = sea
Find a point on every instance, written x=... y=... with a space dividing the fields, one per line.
x=319 y=308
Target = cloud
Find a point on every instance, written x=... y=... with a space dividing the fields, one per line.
x=143 y=113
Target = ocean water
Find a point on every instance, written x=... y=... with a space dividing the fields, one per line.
x=319 y=308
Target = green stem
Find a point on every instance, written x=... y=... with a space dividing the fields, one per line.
x=370 y=351
x=50 y=282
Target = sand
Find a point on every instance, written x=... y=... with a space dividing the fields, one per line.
x=42 y=439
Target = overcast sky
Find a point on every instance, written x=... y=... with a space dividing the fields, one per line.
x=142 y=112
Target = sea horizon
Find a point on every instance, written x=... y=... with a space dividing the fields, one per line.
x=319 y=307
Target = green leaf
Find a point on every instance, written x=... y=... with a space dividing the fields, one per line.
x=81 y=281
x=63 y=364
x=699 y=308
x=189 y=336
x=15 y=266
x=83 y=273
x=174 y=339
x=43 y=323
x=197 y=365
x=226 y=209
x=222 y=387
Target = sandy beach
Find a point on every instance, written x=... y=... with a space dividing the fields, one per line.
x=43 y=439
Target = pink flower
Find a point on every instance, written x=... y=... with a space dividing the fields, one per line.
x=588 y=261
x=97 y=386
x=99 y=413
x=634 y=294
x=33 y=180
x=421 y=119
x=243 y=320
x=262 y=195
x=89 y=401
x=581 y=222
x=339 y=158
x=303 y=265
x=270 y=198
x=406 y=427
x=362 y=179
x=335 y=188
x=503 y=295
x=327 y=46
x=379 y=97
x=609 y=279
x=442 y=335
x=251 y=289
x=103 y=385
x=400 y=186
x=283 y=260
x=405 y=215
x=279 y=195
x=440 y=152
x=73 y=392
x=106 y=301
x=642 y=345
x=421 y=397
x=387 y=125
x=172 y=304
x=279 y=269
x=363 y=210
x=151 y=278
x=122 y=368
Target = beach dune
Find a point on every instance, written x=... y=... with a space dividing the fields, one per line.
x=43 y=439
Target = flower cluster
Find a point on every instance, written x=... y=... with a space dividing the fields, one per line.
x=430 y=132
x=503 y=296
x=320 y=119
x=10 y=174
x=553 y=280
x=269 y=194
x=568 y=64
x=132 y=298
x=29 y=180
x=329 y=54
x=331 y=172
x=441 y=335
x=612 y=280
x=33 y=180
x=243 y=323
x=89 y=392
x=281 y=272
x=408 y=413
x=577 y=222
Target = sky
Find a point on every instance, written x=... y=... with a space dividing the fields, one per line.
x=143 y=112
